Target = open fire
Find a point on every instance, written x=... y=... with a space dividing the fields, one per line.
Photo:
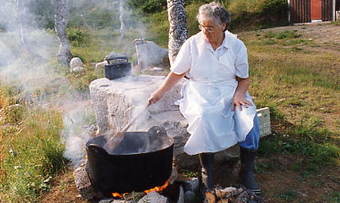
x=158 y=188
x=154 y=189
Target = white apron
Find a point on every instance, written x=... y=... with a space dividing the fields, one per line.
x=207 y=105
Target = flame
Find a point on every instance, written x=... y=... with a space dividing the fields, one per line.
x=118 y=195
x=158 y=188
x=155 y=189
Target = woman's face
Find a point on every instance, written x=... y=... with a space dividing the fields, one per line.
x=211 y=29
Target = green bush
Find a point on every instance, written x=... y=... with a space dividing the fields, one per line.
x=274 y=8
x=14 y=113
x=252 y=14
x=77 y=37
x=148 y=6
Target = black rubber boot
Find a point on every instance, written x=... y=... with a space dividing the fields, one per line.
x=247 y=175
x=207 y=163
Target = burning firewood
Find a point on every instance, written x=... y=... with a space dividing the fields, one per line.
x=231 y=195
x=210 y=197
x=227 y=192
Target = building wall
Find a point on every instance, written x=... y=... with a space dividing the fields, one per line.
x=302 y=11
x=327 y=10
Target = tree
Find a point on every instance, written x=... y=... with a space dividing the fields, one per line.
x=64 y=54
x=178 y=31
x=21 y=19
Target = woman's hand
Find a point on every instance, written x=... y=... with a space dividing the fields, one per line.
x=240 y=101
x=155 y=97
x=169 y=82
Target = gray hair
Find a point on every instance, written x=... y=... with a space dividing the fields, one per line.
x=214 y=10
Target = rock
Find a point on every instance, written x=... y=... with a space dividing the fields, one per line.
x=83 y=183
x=154 y=197
x=149 y=54
x=77 y=69
x=107 y=200
x=116 y=102
x=76 y=65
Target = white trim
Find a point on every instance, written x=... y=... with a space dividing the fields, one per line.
x=316 y=21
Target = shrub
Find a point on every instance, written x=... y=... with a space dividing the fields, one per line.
x=13 y=113
x=148 y=6
x=248 y=14
x=77 y=37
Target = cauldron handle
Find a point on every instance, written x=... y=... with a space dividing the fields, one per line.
x=97 y=149
x=157 y=131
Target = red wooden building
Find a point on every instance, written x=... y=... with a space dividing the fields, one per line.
x=302 y=11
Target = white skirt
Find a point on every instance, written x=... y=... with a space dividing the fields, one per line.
x=213 y=125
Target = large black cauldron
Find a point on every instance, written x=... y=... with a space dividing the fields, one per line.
x=141 y=161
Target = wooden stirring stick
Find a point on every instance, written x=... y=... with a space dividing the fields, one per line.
x=119 y=136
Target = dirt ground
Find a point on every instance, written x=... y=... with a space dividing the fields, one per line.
x=280 y=183
x=325 y=34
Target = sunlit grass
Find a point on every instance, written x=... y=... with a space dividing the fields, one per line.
x=31 y=154
x=302 y=89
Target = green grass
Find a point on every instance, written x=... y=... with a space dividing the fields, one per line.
x=289 y=195
x=189 y=174
x=334 y=197
x=287 y=34
x=317 y=147
x=299 y=87
x=283 y=38
x=337 y=22
x=31 y=154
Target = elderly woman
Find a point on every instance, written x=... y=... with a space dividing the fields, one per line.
x=215 y=101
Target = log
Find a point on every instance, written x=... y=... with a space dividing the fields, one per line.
x=210 y=197
x=227 y=192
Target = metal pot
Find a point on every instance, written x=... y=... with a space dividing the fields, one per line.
x=141 y=161
x=117 y=67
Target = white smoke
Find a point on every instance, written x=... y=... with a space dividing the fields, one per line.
x=28 y=61
x=77 y=130
x=25 y=50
